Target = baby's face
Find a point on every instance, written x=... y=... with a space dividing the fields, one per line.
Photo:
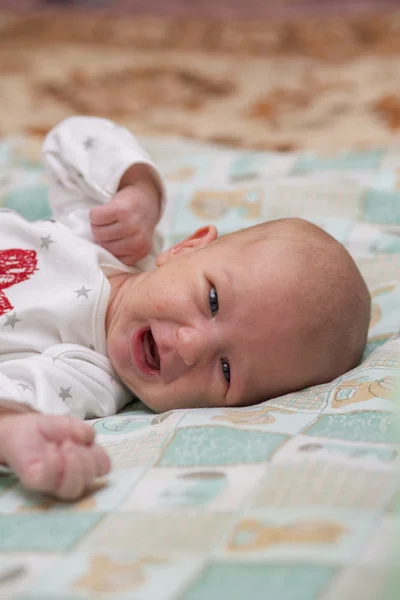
x=211 y=327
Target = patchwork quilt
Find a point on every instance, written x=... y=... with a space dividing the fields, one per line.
x=296 y=498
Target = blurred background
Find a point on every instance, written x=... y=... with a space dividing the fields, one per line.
x=282 y=75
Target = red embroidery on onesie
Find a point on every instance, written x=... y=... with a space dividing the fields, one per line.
x=15 y=266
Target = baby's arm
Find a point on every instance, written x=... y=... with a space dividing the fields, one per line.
x=100 y=176
x=51 y=454
x=125 y=226
x=46 y=448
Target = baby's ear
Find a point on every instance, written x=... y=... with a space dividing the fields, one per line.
x=200 y=238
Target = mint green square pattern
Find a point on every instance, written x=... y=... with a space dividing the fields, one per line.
x=260 y=582
x=44 y=533
x=207 y=446
x=372 y=426
x=382 y=207
x=5 y=483
x=247 y=164
x=30 y=202
x=369 y=159
x=371 y=346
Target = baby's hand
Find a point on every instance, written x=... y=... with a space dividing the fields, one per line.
x=51 y=454
x=126 y=224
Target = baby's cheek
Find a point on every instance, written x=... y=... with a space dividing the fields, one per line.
x=118 y=353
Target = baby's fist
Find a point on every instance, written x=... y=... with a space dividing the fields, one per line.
x=125 y=226
x=52 y=454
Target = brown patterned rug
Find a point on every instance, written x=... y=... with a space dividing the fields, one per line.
x=319 y=82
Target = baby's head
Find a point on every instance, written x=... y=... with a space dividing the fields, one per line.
x=233 y=321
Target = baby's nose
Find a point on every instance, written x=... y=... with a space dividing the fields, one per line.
x=192 y=345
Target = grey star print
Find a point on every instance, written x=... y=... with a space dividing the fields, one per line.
x=24 y=386
x=11 y=320
x=65 y=393
x=83 y=292
x=88 y=143
x=46 y=241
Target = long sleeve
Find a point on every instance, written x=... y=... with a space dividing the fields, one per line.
x=85 y=158
x=66 y=379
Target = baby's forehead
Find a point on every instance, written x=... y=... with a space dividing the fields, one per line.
x=256 y=270
x=240 y=242
x=257 y=247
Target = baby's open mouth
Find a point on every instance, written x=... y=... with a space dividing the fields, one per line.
x=151 y=351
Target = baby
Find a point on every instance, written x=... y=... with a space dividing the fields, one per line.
x=91 y=311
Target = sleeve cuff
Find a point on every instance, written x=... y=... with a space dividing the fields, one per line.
x=126 y=159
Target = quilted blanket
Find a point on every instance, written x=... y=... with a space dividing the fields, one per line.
x=296 y=498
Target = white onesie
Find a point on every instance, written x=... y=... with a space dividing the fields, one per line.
x=54 y=289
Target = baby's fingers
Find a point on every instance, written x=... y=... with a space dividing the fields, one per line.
x=82 y=466
x=43 y=473
x=135 y=247
x=107 y=233
x=57 y=429
x=72 y=485
x=104 y=215
x=101 y=461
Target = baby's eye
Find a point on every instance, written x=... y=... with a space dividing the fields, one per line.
x=213 y=300
x=226 y=370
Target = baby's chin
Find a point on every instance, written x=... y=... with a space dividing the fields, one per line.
x=160 y=403
x=155 y=404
